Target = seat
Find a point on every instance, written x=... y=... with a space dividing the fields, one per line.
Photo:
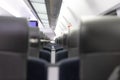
x=62 y=54
x=44 y=54
x=34 y=42
x=99 y=47
x=48 y=48
x=52 y=44
x=36 y=69
x=13 y=48
x=58 y=48
x=69 y=69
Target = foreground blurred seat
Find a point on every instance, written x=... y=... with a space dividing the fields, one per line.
x=13 y=48
x=99 y=47
x=36 y=69
x=69 y=69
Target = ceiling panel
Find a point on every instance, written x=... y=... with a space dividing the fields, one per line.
x=38 y=1
x=45 y=21
x=39 y=7
x=53 y=8
x=43 y=16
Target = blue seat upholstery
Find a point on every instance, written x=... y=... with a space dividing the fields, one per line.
x=69 y=69
x=58 y=48
x=44 y=54
x=48 y=48
x=62 y=54
x=36 y=69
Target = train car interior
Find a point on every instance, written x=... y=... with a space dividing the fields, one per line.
x=59 y=39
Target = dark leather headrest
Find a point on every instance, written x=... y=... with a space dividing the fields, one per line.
x=13 y=34
x=100 y=34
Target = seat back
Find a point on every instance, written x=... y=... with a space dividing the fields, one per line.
x=36 y=69
x=13 y=48
x=99 y=47
x=44 y=54
x=62 y=54
x=58 y=48
x=69 y=69
x=48 y=48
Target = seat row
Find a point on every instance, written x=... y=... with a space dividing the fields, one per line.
x=46 y=52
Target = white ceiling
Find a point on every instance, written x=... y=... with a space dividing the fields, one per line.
x=19 y=8
x=72 y=11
